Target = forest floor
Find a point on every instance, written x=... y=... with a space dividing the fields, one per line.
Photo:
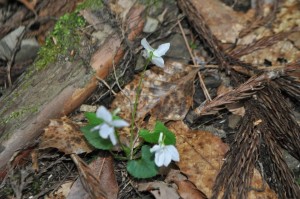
x=228 y=93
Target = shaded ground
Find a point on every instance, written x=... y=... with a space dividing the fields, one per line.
x=264 y=104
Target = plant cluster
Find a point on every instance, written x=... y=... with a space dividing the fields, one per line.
x=101 y=131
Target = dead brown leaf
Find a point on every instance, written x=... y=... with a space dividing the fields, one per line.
x=188 y=190
x=166 y=94
x=159 y=189
x=101 y=168
x=62 y=192
x=89 y=181
x=201 y=158
x=226 y=19
x=66 y=136
x=281 y=50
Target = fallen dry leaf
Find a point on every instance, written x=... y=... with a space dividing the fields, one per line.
x=226 y=19
x=101 y=168
x=159 y=189
x=61 y=192
x=166 y=94
x=88 y=179
x=284 y=50
x=202 y=156
x=66 y=136
x=187 y=190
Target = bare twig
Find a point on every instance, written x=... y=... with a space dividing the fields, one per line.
x=244 y=91
x=205 y=91
x=106 y=84
x=12 y=59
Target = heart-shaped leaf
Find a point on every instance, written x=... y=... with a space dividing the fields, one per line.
x=144 y=167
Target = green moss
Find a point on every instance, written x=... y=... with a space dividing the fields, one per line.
x=64 y=38
x=18 y=114
x=65 y=35
x=92 y=4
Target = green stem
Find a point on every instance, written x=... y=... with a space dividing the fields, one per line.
x=136 y=102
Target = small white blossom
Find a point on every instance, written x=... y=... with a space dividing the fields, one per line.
x=107 y=128
x=164 y=154
x=155 y=54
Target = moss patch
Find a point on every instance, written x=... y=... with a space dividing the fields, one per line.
x=64 y=38
x=17 y=114
x=92 y=4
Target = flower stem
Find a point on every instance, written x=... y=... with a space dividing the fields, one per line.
x=136 y=102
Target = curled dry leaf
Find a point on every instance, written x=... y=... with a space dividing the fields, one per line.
x=102 y=169
x=166 y=94
x=159 y=189
x=202 y=155
x=90 y=182
x=186 y=189
x=66 y=136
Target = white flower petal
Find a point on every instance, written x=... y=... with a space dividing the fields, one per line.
x=173 y=152
x=159 y=158
x=106 y=130
x=120 y=123
x=161 y=50
x=167 y=157
x=155 y=148
x=104 y=114
x=146 y=45
x=158 y=61
x=113 y=138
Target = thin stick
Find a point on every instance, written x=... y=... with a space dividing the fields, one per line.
x=205 y=91
x=14 y=53
x=106 y=84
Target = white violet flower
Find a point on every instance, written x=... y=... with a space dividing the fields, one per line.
x=155 y=54
x=164 y=154
x=107 y=128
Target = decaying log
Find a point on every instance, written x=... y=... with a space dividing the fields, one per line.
x=55 y=91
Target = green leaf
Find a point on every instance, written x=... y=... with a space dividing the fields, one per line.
x=94 y=138
x=144 y=167
x=152 y=137
x=92 y=118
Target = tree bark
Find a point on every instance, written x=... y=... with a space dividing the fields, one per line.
x=55 y=91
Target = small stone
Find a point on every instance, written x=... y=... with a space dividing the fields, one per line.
x=178 y=49
x=140 y=63
x=233 y=121
x=87 y=108
x=212 y=78
x=28 y=49
x=150 y=25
